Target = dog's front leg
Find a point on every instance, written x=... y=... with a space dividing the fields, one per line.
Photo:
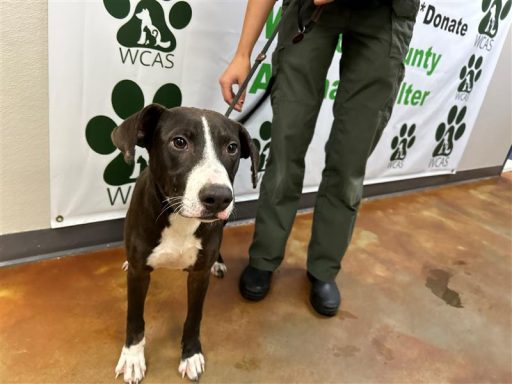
x=192 y=359
x=132 y=362
x=142 y=39
x=219 y=269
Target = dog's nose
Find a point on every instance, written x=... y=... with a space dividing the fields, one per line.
x=215 y=197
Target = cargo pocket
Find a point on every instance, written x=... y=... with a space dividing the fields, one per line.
x=275 y=70
x=403 y=16
x=385 y=113
x=275 y=59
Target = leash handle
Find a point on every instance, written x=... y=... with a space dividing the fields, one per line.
x=261 y=56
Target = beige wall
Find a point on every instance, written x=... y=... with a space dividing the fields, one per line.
x=24 y=159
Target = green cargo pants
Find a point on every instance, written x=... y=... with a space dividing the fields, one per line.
x=375 y=41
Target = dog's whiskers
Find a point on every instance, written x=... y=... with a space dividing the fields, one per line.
x=166 y=208
x=176 y=203
x=174 y=198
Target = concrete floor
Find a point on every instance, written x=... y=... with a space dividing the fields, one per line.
x=427 y=299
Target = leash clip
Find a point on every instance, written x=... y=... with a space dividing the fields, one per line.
x=304 y=28
x=298 y=37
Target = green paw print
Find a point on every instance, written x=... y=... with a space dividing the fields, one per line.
x=495 y=10
x=263 y=145
x=127 y=99
x=402 y=142
x=148 y=26
x=447 y=134
x=470 y=74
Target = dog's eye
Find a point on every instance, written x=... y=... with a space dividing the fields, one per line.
x=179 y=143
x=232 y=148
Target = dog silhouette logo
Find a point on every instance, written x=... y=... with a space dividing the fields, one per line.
x=149 y=33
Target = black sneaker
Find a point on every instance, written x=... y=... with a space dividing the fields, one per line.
x=324 y=296
x=254 y=283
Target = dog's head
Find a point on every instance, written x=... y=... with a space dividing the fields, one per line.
x=142 y=15
x=193 y=156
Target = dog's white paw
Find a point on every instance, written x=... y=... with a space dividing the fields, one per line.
x=219 y=269
x=125 y=266
x=193 y=367
x=132 y=363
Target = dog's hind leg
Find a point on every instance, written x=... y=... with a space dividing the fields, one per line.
x=219 y=269
x=192 y=359
x=132 y=363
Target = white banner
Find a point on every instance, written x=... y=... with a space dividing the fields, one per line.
x=107 y=59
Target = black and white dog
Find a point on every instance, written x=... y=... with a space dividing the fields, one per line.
x=176 y=216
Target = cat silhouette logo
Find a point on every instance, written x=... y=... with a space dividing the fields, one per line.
x=147 y=27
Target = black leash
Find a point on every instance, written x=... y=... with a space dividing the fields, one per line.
x=261 y=56
x=302 y=29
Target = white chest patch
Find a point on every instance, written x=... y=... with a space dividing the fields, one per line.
x=178 y=246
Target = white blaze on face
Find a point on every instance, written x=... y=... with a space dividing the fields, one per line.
x=208 y=171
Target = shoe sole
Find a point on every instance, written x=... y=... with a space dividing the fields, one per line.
x=329 y=312
x=252 y=296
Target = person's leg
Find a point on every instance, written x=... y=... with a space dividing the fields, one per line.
x=300 y=71
x=371 y=70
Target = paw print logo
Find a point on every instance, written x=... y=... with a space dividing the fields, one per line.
x=127 y=98
x=449 y=132
x=495 y=10
x=470 y=74
x=149 y=26
x=402 y=142
x=263 y=144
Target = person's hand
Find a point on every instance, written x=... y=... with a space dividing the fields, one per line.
x=322 y=2
x=235 y=73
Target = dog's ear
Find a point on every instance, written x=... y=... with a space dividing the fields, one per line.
x=136 y=130
x=248 y=149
